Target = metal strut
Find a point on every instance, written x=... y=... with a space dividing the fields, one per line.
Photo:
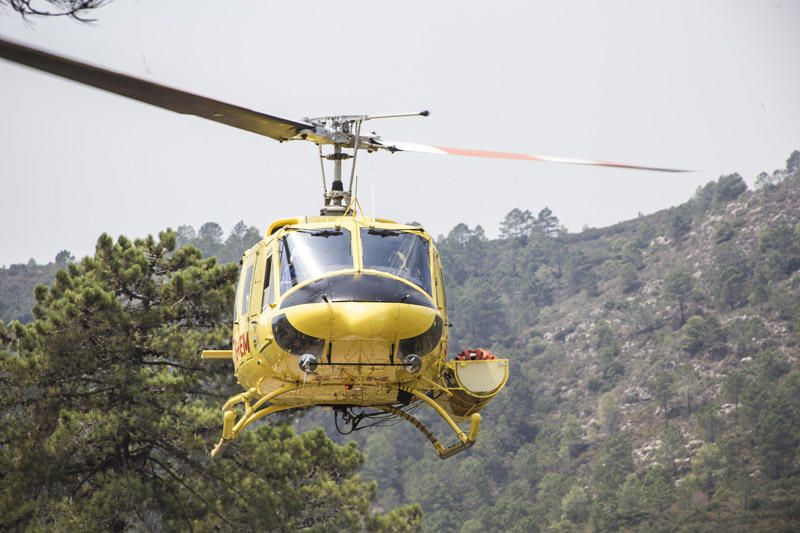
x=466 y=440
x=231 y=428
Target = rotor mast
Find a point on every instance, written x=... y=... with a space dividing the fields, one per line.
x=344 y=132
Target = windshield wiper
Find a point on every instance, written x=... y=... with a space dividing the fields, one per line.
x=384 y=232
x=320 y=232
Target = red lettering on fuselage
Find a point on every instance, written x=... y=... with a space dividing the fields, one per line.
x=241 y=345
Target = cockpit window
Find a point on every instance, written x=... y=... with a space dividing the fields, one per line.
x=310 y=253
x=402 y=253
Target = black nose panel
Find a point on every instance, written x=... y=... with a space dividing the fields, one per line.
x=293 y=341
x=422 y=344
x=357 y=288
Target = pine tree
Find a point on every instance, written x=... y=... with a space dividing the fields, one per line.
x=663 y=390
x=678 y=285
x=517 y=224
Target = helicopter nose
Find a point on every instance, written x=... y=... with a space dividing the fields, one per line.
x=344 y=321
x=336 y=311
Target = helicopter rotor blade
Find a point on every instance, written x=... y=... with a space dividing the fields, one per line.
x=401 y=146
x=152 y=93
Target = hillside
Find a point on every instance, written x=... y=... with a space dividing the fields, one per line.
x=655 y=378
x=16 y=288
x=655 y=381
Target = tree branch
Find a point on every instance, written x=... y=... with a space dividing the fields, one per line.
x=73 y=9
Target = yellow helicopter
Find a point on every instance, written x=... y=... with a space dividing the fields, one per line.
x=341 y=309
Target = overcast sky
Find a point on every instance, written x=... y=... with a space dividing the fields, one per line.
x=712 y=86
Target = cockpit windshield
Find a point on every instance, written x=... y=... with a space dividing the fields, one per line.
x=310 y=253
x=402 y=253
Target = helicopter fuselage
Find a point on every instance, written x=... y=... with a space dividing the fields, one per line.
x=350 y=307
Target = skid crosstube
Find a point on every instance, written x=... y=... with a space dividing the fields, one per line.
x=232 y=428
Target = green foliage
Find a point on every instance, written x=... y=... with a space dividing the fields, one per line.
x=580 y=274
x=517 y=224
x=547 y=223
x=793 y=163
x=710 y=422
x=63 y=258
x=678 y=285
x=522 y=225
x=780 y=249
x=707 y=468
x=747 y=335
x=725 y=232
x=628 y=278
x=777 y=440
x=718 y=193
x=703 y=335
x=571 y=438
x=733 y=387
x=575 y=505
x=732 y=287
x=209 y=240
x=671 y=449
x=680 y=223
x=663 y=389
x=614 y=463
x=689 y=383
x=605 y=341
x=610 y=414
x=17 y=283
x=729 y=188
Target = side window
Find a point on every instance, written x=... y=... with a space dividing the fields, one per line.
x=248 y=285
x=268 y=292
x=239 y=290
x=440 y=276
x=287 y=270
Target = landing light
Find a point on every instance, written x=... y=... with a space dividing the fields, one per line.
x=308 y=363
x=412 y=363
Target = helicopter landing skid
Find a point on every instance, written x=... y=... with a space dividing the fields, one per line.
x=232 y=428
x=466 y=441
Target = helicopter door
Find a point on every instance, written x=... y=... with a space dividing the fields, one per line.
x=268 y=292
x=242 y=342
x=260 y=294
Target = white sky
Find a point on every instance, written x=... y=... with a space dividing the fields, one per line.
x=713 y=86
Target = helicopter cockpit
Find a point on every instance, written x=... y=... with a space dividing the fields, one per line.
x=329 y=259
